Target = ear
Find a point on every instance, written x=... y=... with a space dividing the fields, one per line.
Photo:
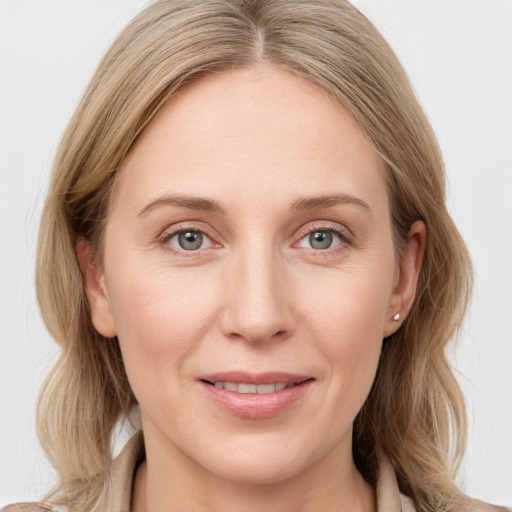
x=406 y=278
x=96 y=291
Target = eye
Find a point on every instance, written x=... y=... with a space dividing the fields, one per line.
x=189 y=240
x=321 y=239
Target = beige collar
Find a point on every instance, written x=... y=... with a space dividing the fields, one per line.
x=116 y=496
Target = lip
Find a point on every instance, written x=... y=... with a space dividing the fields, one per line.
x=255 y=378
x=254 y=406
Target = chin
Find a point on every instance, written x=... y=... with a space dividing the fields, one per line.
x=258 y=472
x=270 y=463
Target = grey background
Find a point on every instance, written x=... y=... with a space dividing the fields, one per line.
x=459 y=56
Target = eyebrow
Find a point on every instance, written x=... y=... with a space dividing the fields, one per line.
x=191 y=202
x=209 y=205
x=311 y=203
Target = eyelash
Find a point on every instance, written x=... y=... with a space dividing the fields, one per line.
x=344 y=236
x=168 y=234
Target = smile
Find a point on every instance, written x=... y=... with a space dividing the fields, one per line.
x=259 y=389
x=255 y=396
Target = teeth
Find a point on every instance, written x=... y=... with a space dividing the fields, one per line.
x=230 y=386
x=263 y=389
x=260 y=389
x=247 y=388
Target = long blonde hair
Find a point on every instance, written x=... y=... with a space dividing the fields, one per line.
x=415 y=413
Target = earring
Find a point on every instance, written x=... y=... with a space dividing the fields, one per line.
x=396 y=317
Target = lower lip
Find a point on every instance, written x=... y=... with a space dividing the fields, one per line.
x=254 y=406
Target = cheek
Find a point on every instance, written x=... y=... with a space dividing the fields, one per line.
x=160 y=316
x=354 y=342
x=349 y=306
x=347 y=321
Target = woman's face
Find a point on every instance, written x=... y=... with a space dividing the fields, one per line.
x=248 y=249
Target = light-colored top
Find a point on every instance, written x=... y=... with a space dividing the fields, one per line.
x=116 y=496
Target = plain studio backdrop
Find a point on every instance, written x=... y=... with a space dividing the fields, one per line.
x=459 y=56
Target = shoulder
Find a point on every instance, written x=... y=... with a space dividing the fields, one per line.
x=26 y=507
x=406 y=504
x=118 y=486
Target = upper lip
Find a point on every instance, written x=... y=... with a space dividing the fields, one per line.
x=255 y=378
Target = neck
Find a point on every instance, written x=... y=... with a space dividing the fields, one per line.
x=175 y=483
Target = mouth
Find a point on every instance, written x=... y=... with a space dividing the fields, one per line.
x=255 y=396
x=255 y=389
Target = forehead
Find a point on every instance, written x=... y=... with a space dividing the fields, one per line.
x=261 y=129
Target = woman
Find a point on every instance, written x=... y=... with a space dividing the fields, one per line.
x=246 y=236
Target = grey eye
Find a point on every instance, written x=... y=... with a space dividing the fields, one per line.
x=320 y=239
x=188 y=240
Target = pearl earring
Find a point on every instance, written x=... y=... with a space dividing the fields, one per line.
x=396 y=317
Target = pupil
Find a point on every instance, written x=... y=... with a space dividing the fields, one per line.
x=320 y=239
x=190 y=240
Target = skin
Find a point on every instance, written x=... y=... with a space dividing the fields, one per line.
x=256 y=297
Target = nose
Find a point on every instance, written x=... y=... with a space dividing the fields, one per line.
x=258 y=301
